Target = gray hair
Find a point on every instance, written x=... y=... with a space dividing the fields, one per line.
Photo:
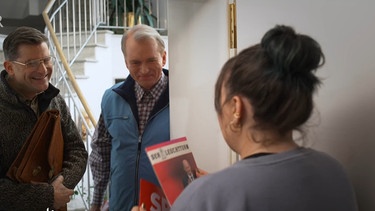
x=142 y=32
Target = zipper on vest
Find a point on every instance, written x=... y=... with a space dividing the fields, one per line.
x=137 y=171
x=139 y=150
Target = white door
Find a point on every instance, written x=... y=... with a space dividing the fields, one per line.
x=198 y=47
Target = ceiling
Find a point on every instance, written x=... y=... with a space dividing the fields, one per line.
x=14 y=9
x=16 y=13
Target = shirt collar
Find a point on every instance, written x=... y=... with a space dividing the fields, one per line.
x=139 y=91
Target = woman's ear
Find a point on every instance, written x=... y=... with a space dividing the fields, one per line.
x=237 y=106
x=237 y=111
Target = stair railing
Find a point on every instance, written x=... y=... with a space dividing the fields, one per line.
x=71 y=25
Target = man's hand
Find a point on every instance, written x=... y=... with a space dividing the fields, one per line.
x=61 y=193
x=103 y=207
x=137 y=208
x=95 y=208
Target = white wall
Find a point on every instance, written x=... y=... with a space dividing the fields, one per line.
x=198 y=47
x=100 y=74
x=343 y=124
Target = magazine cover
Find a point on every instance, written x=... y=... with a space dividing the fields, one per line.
x=174 y=165
x=152 y=197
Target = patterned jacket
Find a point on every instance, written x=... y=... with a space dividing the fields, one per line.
x=16 y=122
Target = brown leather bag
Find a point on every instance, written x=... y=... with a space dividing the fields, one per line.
x=41 y=156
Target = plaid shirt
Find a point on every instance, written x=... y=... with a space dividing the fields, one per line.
x=101 y=143
x=146 y=101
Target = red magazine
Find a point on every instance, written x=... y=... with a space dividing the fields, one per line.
x=152 y=197
x=174 y=166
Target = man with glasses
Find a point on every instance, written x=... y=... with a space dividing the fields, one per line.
x=25 y=93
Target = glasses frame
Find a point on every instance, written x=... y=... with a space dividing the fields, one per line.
x=35 y=63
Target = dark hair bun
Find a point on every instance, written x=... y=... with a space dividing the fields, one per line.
x=292 y=54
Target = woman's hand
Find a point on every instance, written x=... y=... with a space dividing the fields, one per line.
x=201 y=172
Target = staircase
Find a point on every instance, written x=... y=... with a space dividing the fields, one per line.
x=87 y=48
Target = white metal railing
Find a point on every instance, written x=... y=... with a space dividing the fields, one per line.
x=71 y=25
x=69 y=29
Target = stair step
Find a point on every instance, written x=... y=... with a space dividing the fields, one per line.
x=78 y=67
x=89 y=52
x=81 y=38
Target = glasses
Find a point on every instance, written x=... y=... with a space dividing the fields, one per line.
x=34 y=64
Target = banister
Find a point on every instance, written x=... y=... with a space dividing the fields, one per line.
x=65 y=63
